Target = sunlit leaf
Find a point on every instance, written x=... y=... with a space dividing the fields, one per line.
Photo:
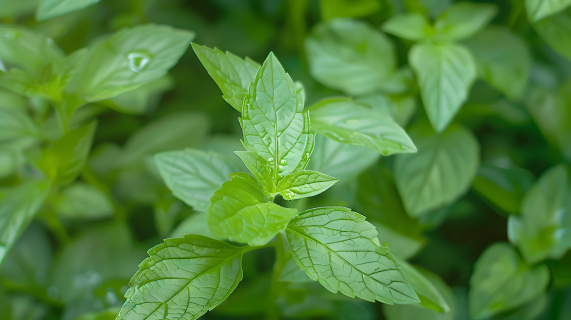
x=539 y=9
x=53 y=8
x=303 y=184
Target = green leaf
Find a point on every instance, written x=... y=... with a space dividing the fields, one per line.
x=175 y=131
x=551 y=113
x=109 y=314
x=292 y=273
x=503 y=59
x=539 y=9
x=340 y=160
x=183 y=278
x=195 y=224
x=18 y=206
x=83 y=201
x=16 y=123
x=64 y=158
x=501 y=281
x=142 y=99
x=338 y=248
x=194 y=175
x=348 y=8
x=400 y=108
x=304 y=184
x=503 y=188
x=232 y=74
x=353 y=57
x=440 y=172
x=464 y=19
x=260 y=168
x=429 y=295
x=556 y=31
x=541 y=231
x=410 y=26
x=53 y=8
x=127 y=60
x=273 y=121
x=379 y=201
x=351 y=122
x=445 y=74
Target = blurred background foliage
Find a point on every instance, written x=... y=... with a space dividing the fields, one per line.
x=75 y=259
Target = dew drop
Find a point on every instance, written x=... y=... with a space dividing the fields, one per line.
x=283 y=162
x=139 y=61
x=306 y=155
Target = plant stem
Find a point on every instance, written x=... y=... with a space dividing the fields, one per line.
x=272 y=312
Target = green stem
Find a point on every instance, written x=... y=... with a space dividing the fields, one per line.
x=89 y=176
x=276 y=286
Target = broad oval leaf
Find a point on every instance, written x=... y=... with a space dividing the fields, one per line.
x=542 y=230
x=340 y=160
x=503 y=188
x=64 y=158
x=338 y=248
x=501 y=281
x=194 y=175
x=445 y=74
x=304 y=184
x=183 y=278
x=351 y=122
x=429 y=295
x=463 y=19
x=53 y=8
x=556 y=31
x=503 y=59
x=232 y=74
x=274 y=124
x=410 y=26
x=539 y=9
x=83 y=201
x=440 y=172
x=18 y=206
x=127 y=60
x=351 y=56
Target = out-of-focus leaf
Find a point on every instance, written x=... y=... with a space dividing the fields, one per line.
x=410 y=26
x=551 y=113
x=401 y=109
x=429 y=295
x=17 y=8
x=351 y=122
x=293 y=273
x=463 y=19
x=18 y=206
x=83 y=201
x=353 y=57
x=109 y=314
x=195 y=224
x=53 y=8
x=64 y=158
x=125 y=61
x=348 y=8
x=274 y=124
x=440 y=172
x=172 y=132
x=503 y=188
x=232 y=74
x=194 y=175
x=542 y=230
x=15 y=123
x=379 y=201
x=539 y=9
x=501 y=281
x=445 y=74
x=192 y=274
x=556 y=31
x=346 y=256
x=304 y=184
x=502 y=58
x=340 y=160
x=142 y=99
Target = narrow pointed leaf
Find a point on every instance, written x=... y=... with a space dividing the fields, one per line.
x=429 y=295
x=347 y=121
x=194 y=175
x=539 y=9
x=183 y=278
x=445 y=74
x=53 y=8
x=232 y=74
x=304 y=184
x=273 y=121
x=338 y=248
x=259 y=167
x=556 y=31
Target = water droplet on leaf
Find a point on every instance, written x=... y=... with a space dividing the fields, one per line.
x=139 y=61
x=283 y=162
